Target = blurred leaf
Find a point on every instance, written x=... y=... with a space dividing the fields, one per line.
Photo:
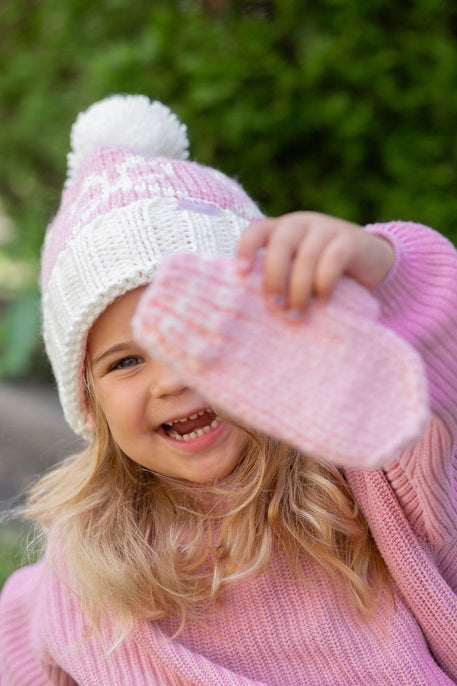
x=19 y=335
x=344 y=107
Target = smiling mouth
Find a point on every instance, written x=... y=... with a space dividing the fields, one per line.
x=194 y=426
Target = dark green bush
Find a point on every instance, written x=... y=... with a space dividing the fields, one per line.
x=343 y=106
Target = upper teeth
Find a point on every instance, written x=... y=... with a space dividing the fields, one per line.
x=186 y=419
x=197 y=432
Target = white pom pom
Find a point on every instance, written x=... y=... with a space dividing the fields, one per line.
x=127 y=121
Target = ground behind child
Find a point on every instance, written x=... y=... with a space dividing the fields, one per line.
x=33 y=435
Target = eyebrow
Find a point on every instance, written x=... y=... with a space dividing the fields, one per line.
x=118 y=348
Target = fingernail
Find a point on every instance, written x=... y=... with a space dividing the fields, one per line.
x=277 y=300
x=243 y=264
x=295 y=315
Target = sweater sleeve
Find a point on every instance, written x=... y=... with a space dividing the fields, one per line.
x=419 y=302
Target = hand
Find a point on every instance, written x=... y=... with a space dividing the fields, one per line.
x=307 y=252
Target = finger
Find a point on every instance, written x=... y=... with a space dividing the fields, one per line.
x=333 y=263
x=255 y=237
x=302 y=276
x=280 y=254
x=300 y=286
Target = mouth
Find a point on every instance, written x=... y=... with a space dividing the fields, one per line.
x=193 y=426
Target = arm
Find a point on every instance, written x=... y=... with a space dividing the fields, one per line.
x=412 y=271
x=419 y=302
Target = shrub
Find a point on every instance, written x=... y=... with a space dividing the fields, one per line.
x=340 y=106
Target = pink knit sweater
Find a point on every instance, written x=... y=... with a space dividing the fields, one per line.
x=273 y=630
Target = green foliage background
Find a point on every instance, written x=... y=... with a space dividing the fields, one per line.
x=343 y=106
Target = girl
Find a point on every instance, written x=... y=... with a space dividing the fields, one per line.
x=265 y=497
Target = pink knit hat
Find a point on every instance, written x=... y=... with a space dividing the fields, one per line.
x=131 y=198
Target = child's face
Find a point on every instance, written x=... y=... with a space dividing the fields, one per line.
x=140 y=398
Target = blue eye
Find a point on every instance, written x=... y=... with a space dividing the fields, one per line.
x=127 y=362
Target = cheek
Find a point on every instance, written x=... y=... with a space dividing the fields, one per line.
x=121 y=410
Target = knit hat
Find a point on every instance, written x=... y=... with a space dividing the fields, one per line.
x=130 y=199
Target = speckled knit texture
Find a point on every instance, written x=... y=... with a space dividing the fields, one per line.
x=308 y=382
x=274 y=631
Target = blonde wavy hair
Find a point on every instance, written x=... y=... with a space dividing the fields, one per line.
x=148 y=546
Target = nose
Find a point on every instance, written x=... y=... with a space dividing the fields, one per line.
x=165 y=381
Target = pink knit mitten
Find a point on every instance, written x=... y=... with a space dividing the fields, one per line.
x=337 y=384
